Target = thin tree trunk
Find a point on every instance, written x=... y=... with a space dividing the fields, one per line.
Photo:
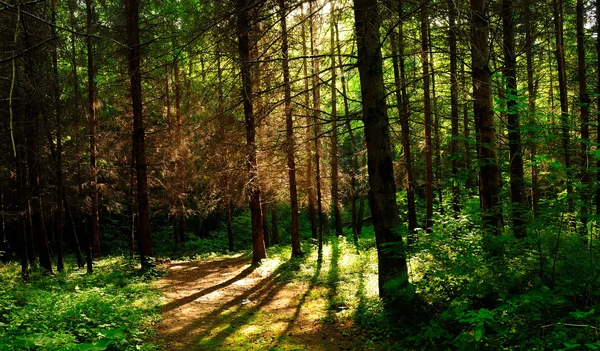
x=427 y=120
x=584 y=103
x=316 y=113
x=58 y=161
x=382 y=190
x=243 y=27
x=598 y=103
x=355 y=149
x=143 y=206
x=454 y=108
x=469 y=183
x=334 y=134
x=405 y=127
x=531 y=92
x=517 y=184
x=437 y=163
x=290 y=143
x=92 y=125
x=489 y=174
x=562 y=85
x=309 y=167
x=179 y=163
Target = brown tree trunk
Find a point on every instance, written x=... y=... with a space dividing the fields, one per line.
x=531 y=92
x=437 y=150
x=382 y=191
x=58 y=161
x=454 y=108
x=405 y=126
x=243 y=27
x=316 y=114
x=427 y=120
x=562 y=87
x=334 y=135
x=489 y=174
x=469 y=183
x=143 y=206
x=309 y=167
x=517 y=184
x=92 y=125
x=598 y=103
x=290 y=141
x=584 y=103
x=180 y=174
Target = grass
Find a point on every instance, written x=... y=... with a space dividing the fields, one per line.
x=112 y=309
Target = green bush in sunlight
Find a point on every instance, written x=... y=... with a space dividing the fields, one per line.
x=111 y=309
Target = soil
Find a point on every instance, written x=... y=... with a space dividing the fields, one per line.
x=224 y=304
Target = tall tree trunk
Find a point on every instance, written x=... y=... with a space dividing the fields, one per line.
x=562 y=87
x=135 y=76
x=334 y=134
x=405 y=126
x=427 y=120
x=531 y=92
x=243 y=27
x=489 y=174
x=437 y=149
x=60 y=266
x=517 y=183
x=598 y=103
x=309 y=167
x=180 y=162
x=382 y=191
x=290 y=141
x=454 y=108
x=92 y=125
x=584 y=103
x=316 y=114
x=355 y=149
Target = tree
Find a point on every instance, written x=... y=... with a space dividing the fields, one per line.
x=289 y=132
x=517 y=183
x=135 y=77
x=489 y=173
x=243 y=27
x=427 y=119
x=382 y=191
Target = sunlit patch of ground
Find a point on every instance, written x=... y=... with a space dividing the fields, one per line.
x=224 y=304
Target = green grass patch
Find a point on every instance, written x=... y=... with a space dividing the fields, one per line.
x=112 y=309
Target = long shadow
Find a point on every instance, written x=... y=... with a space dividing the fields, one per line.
x=194 y=271
x=178 y=303
x=262 y=292
x=333 y=278
x=313 y=282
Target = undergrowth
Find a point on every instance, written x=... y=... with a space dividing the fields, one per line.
x=112 y=309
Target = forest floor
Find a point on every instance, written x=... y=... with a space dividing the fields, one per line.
x=222 y=303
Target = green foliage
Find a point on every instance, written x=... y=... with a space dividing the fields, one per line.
x=111 y=309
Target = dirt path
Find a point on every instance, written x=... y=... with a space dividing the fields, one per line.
x=222 y=304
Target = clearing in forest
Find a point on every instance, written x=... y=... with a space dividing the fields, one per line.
x=221 y=303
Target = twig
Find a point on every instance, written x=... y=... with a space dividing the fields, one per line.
x=570 y=325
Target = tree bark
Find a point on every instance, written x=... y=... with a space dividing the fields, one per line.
x=309 y=167
x=584 y=103
x=334 y=134
x=531 y=97
x=290 y=141
x=517 y=184
x=427 y=120
x=92 y=125
x=489 y=174
x=382 y=191
x=243 y=27
x=143 y=206
x=58 y=161
x=454 y=108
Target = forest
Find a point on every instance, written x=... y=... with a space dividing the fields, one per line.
x=299 y=175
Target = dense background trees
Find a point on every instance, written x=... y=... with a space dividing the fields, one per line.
x=473 y=121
